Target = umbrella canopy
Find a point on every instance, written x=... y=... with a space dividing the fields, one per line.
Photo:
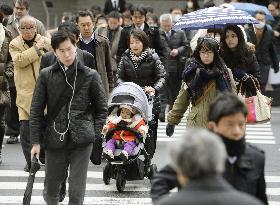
x=213 y=17
x=252 y=8
x=35 y=166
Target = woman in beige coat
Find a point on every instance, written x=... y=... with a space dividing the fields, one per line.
x=205 y=75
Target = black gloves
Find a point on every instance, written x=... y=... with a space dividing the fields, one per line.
x=170 y=130
x=96 y=153
x=276 y=70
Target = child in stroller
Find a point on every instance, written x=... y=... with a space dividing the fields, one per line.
x=126 y=116
x=131 y=99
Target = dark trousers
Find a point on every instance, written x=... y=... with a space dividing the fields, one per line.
x=2 y=124
x=264 y=76
x=25 y=140
x=57 y=162
x=12 y=121
x=173 y=84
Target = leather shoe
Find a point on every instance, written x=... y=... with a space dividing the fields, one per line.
x=62 y=192
x=12 y=140
x=26 y=168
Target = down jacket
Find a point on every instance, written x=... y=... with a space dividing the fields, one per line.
x=88 y=109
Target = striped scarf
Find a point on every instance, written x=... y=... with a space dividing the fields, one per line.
x=136 y=60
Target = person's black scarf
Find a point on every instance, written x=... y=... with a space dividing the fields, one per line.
x=234 y=147
x=197 y=76
x=30 y=42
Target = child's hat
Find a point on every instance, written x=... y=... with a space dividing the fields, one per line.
x=129 y=108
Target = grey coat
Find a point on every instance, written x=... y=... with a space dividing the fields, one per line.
x=114 y=43
x=211 y=190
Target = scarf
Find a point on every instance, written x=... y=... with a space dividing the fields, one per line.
x=197 y=76
x=2 y=35
x=234 y=147
x=137 y=60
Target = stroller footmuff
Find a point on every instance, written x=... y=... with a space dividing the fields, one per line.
x=125 y=164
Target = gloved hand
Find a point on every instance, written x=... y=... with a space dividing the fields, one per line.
x=276 y=70
x=170 y=129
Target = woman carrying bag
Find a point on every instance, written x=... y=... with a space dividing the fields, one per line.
x=240 y=58
x=205 y=75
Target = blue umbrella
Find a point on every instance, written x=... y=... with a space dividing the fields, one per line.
x=213 y=17
x=252 y=8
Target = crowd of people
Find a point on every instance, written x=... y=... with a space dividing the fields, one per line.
x=55 y=84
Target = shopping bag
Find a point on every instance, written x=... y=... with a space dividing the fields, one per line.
x=258 y=106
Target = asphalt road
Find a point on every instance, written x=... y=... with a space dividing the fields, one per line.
x=13 y=178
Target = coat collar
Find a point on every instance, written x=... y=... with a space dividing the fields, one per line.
x=245 y=161
x=210 y=181
x=56 y=66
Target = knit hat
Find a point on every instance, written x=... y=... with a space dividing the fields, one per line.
x=132 y=110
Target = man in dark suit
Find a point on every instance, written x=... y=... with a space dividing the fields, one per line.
x=199 y=162
x=139 y=22
x=114 y=5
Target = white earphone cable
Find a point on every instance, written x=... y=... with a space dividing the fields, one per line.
x=62 y=134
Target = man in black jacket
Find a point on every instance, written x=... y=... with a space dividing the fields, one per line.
x=245 y=163
x=155 y=42
x=198 y=159
x=263 y=37
x=114 y=5
x=175 y=60
x=77 y=109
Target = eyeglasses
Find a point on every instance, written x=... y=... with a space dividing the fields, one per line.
x=27 y=29
x=204 y=53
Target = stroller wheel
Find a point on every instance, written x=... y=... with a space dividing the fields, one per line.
x=153 y=170
x=120 y=180
x=106 y=174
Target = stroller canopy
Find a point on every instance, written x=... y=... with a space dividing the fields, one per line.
x=131 y=94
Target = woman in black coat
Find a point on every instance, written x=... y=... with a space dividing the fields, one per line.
x=141 y=65
x=240 y=58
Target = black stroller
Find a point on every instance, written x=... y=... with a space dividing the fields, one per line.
x=134 y=168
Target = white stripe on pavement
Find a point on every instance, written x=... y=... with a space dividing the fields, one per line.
x=87 y=200
x=18 y=173
x=90 y=187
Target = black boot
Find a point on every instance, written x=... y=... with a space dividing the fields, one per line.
x=0 y=157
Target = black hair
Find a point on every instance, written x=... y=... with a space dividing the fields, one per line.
x=260 y=12
x=6 y=9
x=175 y=8
x=100 y=18
x=84 y=13
x=208 y=43
x=70 y=27
x=114 y=15
x=139 y=9
x=225 y=104
x=24 y=3
x=60 y=36
x=141 y=36
x=238 y=56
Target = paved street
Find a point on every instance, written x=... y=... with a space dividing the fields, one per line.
x=13 y=178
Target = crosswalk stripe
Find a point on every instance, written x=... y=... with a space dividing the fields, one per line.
x=90 y=200
x=90 y=187
x=18 y=173
x=87 y=200
x=102 y=187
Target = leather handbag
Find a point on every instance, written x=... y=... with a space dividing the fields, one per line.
x=258 y=106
